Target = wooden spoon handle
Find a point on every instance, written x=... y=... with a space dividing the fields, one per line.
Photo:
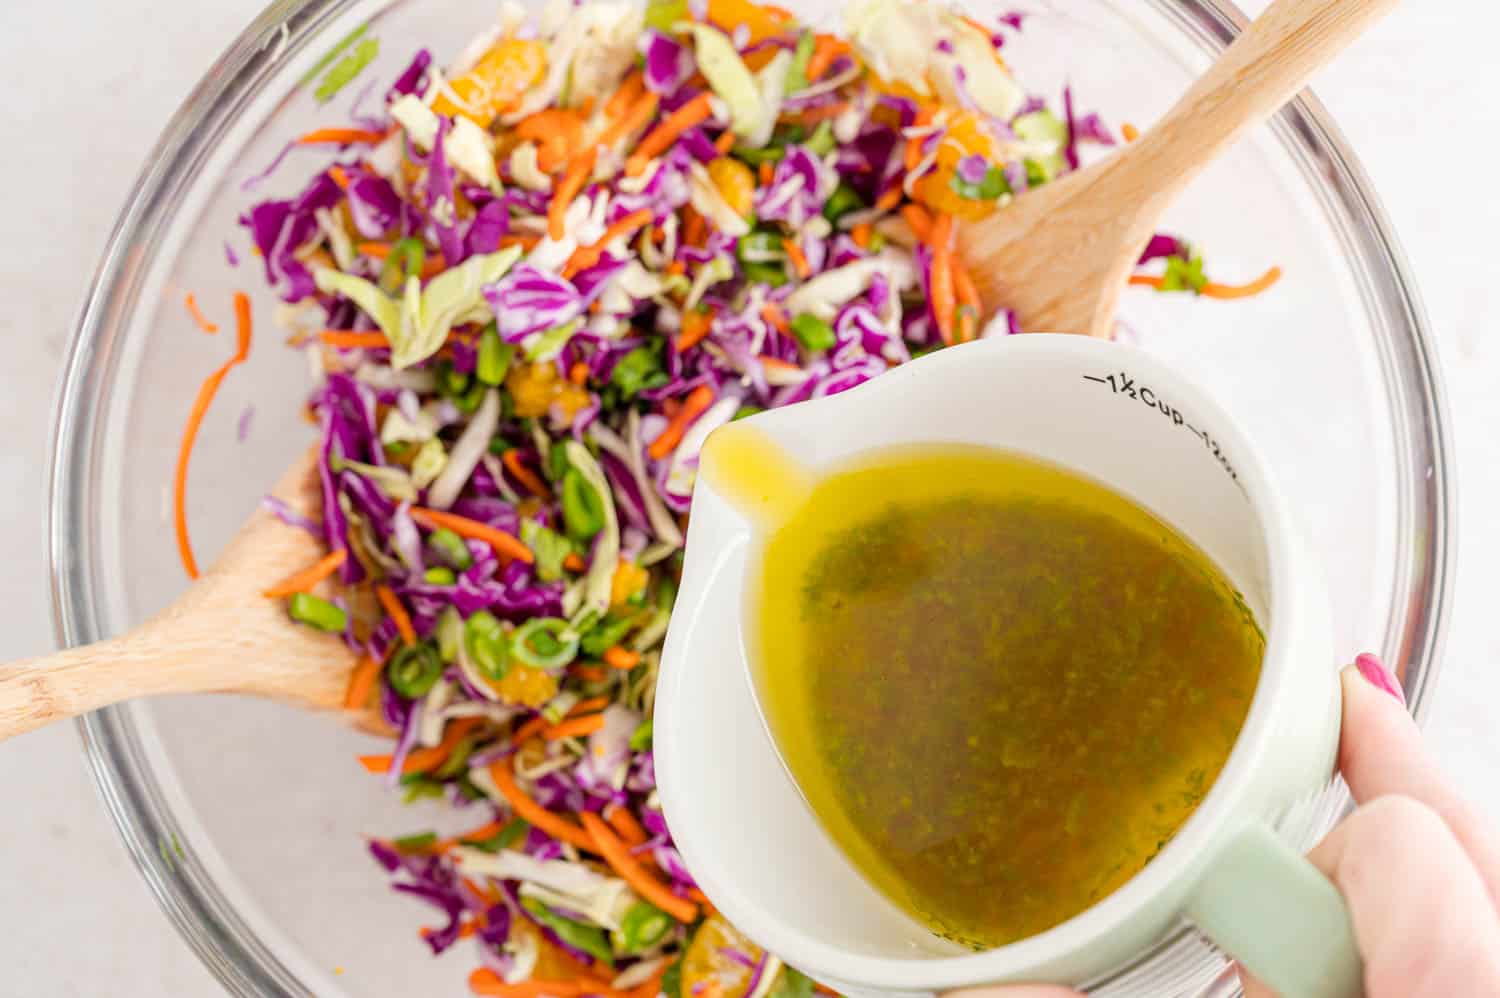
x=1262 y=70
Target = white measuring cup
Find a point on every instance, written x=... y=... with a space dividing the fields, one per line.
x=1119 y=416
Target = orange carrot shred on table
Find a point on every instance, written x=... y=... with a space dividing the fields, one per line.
x=917 y=220
x=621 y=658
x=361 y=683
x=660 y=138
x=826 y=49
x=340 y=136
x=528 y=478
x=349 y=339
x=198 y=317
x=725 y=142
x=1225 y=292
x=392 y=604
x=1130 y=132
x=695 y=326
x=799 y=259
x=574 y=562
x=695 y=405
x=303 y=581
x=618 y=856
x=1147 y=280
x=568 y=188
x=534 y=813
x=505 y=545
x=625 y=825
x=205 y=397
x=574 y=727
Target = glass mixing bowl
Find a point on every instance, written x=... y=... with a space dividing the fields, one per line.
x=246 y=817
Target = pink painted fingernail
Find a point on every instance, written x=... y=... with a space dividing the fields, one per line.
x=1378 y=676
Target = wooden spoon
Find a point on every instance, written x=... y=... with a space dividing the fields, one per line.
x=221 y=636
x=1060 y=255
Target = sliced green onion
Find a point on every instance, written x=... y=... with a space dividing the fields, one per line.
x=765 y=273
x=755 y=157
x=317 y=612
x=420 y=786
x=415 y=669
x=640 y=738
x=583 y=509
x=495 y=356
x=450 y=634
x=589 y=938
x=610 y=632
x=666 y=593
x=637 y=370
x=487 y=646
x=406 y=259
x=557 y=460
x=821 y=142
x=841 y=202
x=643 y=926
x=1184 y=275
x=468 y=402
x=346 y=69
x=451 y=548
x=796 y=73
x=746 y=411
x=505 y=838
x=450 y=382
x=458 y=760
x=812 y=332
x=990 y=187
x=440 y=575
x=544 y=643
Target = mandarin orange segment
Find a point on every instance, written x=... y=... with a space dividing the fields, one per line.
x=500 y=78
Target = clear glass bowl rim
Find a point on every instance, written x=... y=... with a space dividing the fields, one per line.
x=240 y=960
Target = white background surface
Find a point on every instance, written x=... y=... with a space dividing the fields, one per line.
x=81 y=109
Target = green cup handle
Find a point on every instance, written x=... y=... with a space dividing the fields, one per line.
x=1274 y=912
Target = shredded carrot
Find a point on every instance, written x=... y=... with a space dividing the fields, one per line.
x=625 y=825
x=660 y=138
x=725 y=142
x=630 y=91
x=813 y=115
x=528 y=478
x=534 y=813
x=392 y=605
x=695 y=326
x=862 y=234
x=301 y=582
x=348 y=339
x=574 y=727
x=423 y=760
x=694 y=230
x=206 y=393
x=1225 y=292
x=969 y=304
x=767 y=173
x=361 y=683
x=340 y=136
x=799 y=259
x=484 y=981
x=1130 y=132
x=676 y=268
x=505 y=545
x=526 y=241
x=529 y=730
x=568 y=188
x=578 y=373
x=558 y=133
x=773 y=314
x=695 y=405
x=826 y=49
x=574 y=562
x=588 y=706
x=889 y=199
x=621 y=658
x=940 y=286
x=618 y=856
x=339 y=176
x=202 y=320
x=378 y=250
x=1147 y=280
x=586 y=256
x=634 y=119
x=588 y=672
x=917 y=220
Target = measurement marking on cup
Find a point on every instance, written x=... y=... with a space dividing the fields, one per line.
x=1124 y=385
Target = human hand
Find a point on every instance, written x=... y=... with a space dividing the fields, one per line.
x=1417 y=865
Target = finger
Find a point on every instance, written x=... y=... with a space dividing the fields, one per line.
x=1422 y=915
x=1017 y=991
x=1381 y=752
